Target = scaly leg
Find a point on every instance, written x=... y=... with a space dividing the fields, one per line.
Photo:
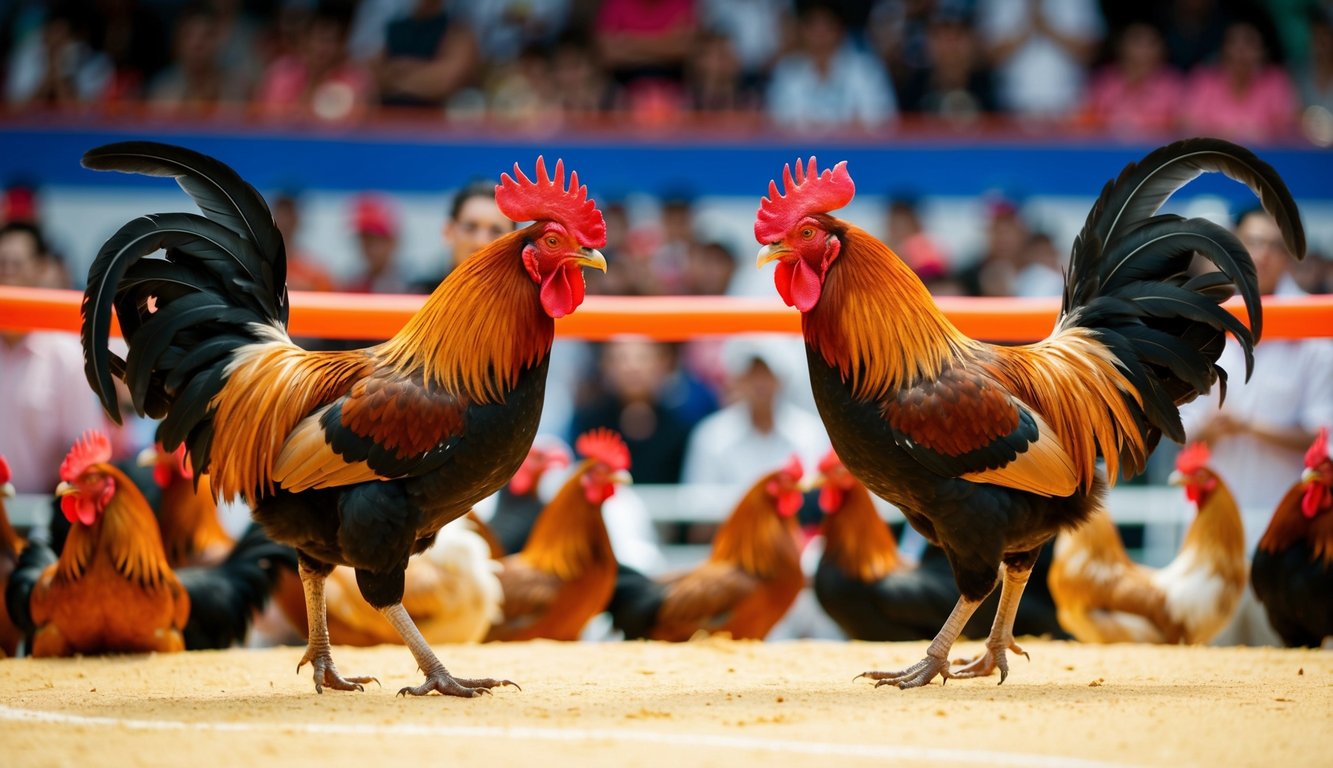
x=1001 y=632
x=317 y=646
x=937 y=655
x=437 y=677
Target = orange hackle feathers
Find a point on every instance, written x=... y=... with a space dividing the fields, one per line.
x=806 y=193
x=547 y=199
x=1193 y=458
x=1318 y=452
x=605 y=446
x=93 y=448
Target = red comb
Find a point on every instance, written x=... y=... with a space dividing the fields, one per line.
x=1193 y=458
x=547 y=199
x=603 y=445
x=793 y=468
x=1319 y=451
x=830 y=462
x=4 y=470
x=92 y=448
x=809 y=192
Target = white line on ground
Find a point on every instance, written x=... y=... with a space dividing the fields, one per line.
x=578 y=735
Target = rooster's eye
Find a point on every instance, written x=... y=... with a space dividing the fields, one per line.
x=552 y=241
x=808 y=233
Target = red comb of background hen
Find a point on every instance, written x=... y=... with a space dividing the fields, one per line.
x=4 y=470
x=547 y=199
x=1319 y=451
x=92 y=448
x=603 y=445
x=793 y=469
x=830 y=462
x=809 y=192
x=1193 y=458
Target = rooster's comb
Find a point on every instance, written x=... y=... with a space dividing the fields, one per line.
x=4 y=470
x=1193 y=458
x=830 y=462
x=605 y=446
x=547 y=199
x=806 y=193
x=1319 y=451
x=793 y=468
x=92 y=448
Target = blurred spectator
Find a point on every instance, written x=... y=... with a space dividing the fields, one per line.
x=53 y=65
x=365 y=36
x=318 y=79
x=1006 y=235
x=645 y=44
x=134 y=37
x=196 y=82
x=505 y=28
x=756 y=30
x=1138 y=93
x=241 y=41
x=45 y=403
x=473 y=222
x=1040 y=50
x=715 y=81
x=579 y=85
x=520 y=92
x=759 y=429
x=644 y=395
x=1193 y=31
x=708 y=270
x=1314 y=273
x=376 y=226
x=1244 y=96
x=428 y=56
x=1039 y=271
x=826 y=81
x=1291 y=26
x=677 y=240
x=953 y=81
x=19 y=203
x=305 y=270
x=908 y=238
x=1315 y=76
x=897 y=30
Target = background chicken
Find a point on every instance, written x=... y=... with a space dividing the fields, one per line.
x=1104 y=597
x=518 y=504
x=1292 y=571
x=990 y=450
x=565 y=574
x=226 y=597
x=11 y=546
x=750 y=580
x=864 y=585
x=354 y=458
x=111 y=590
x=187 y=515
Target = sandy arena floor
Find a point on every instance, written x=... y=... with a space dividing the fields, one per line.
x=706 y=703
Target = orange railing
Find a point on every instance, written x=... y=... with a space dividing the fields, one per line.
x=666 y=318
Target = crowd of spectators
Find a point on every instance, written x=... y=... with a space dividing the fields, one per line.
x=1249 y=69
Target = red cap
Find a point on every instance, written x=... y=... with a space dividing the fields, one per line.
x=374 y=216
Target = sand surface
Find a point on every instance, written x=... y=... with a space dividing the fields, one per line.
x=714 y=702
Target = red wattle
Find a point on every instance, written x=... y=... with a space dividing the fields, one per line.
x=806 y=285
x=1317 y=497
x=831 y=498
x=562 y=290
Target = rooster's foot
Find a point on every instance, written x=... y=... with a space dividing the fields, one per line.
x=326 y=674
x=915 y=676
x=985 y=665
x=448 y=685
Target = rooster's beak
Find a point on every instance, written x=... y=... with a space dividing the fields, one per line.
x=591 y=257
x=1176 y=478
x=622 y=478
x=812 y=482
x=770 y=252
x=147 y=457
x=65 y=489
x=1308 y=476
x=7 y=491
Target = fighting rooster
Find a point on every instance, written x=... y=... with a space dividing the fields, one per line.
x=989 y=450
x=356 y=457
x=187 y=515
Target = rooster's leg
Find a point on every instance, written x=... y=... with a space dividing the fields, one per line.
x=317 y=652
x=437 y=677
x=1001 y=637
x=937 y=655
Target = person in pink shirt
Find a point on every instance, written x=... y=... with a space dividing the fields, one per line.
x=1138 y=93
x=319 y=79
x=1244 y=97
x=45 y=401
x=645 y=44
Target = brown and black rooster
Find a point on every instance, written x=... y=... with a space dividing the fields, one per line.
x=989 y=451
x=355 y=457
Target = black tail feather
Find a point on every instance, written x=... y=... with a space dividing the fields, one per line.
x=35 y=558
x=635 y=603
x=225 y=597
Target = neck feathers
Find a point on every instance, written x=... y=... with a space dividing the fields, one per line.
x=756 y=538
x=1290 y=526
x=480 y=329
x=126 y=534
x=10 y=542
x=876 y=322
x=858 y=541
x=1217 y=528
x=569 y=535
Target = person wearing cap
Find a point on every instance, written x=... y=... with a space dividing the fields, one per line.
x=376 y=226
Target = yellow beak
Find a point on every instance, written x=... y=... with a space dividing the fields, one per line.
x=771 y=252
x=7 y=490
x=147 y=457
x=622 y=477
x=1308 y=476
x=1176 y=478
x=65 y=489
x=591 y=257
x=812 y=482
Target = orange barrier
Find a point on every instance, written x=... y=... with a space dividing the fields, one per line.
x=666 y=318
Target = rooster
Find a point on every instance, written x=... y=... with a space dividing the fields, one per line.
x=111 y=591
x=518 y=504
x=187 y=514
x=872 y=594
x=1104 y=597
x=11 y=547
x=750 y=580
x=564 y=575
x=990 y=450
x=1293 y=564
x=355 y=457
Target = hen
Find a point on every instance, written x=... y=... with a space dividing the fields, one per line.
x=11 y=547
x=1292 y=571
x=1104 y=597
x=564 y=575
x=357 y=457
x=989 y=451
x=518 y=504
x=187 y=514
x=750 y=580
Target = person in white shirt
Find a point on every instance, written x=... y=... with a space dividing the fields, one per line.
x=1040 y=50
